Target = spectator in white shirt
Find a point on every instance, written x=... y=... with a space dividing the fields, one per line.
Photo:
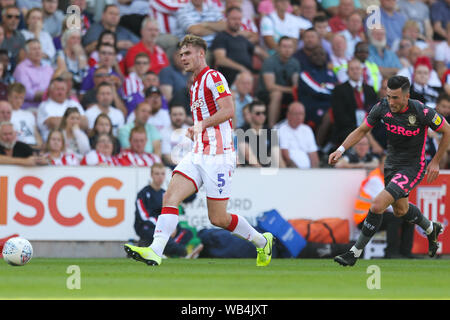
x=353 y=34
x=50 y=111
x=281 y=23
x=24 y=121
x=77 y=142
x=104 y=100
x=175 y=143
x=339 y=51
x=297 y=142
x=160 y=117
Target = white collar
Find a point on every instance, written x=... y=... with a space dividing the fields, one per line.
x=354 y=84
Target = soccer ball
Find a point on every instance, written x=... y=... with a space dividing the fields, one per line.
x=17 y=251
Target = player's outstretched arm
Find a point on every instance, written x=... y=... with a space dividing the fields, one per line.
x=433 y=166
x=349 y=142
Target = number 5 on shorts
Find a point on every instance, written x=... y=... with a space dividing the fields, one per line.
x=221 y=180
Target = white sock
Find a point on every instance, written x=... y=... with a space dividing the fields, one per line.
x=165 y=226
x=356 y=252
x=244 y=230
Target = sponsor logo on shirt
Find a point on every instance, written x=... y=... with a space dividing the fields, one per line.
x=436 y=119
x=220 y=87
x=401 y=130
x=197 y=104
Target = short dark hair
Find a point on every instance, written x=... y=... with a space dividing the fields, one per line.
x=103 y=84
x=284 y=38
x=109 y=6
x=176 y=104
x=254 y=103
x=57 y=79
x=227 y=12
x=397 y=82
x=142 y=55
x=319 y=19
x=104 y=44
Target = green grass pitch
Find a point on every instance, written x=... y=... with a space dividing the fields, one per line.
x=175 y=279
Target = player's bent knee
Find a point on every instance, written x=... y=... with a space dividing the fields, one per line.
x=171 y=199
x=220 y=222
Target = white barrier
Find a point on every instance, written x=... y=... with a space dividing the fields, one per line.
x=96 y=203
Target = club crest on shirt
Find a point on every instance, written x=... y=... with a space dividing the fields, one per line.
x=412 y=120
x=436 y=119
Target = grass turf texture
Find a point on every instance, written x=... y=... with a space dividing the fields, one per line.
x=225 y=279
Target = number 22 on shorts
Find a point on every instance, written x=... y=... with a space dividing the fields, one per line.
x=400 y=183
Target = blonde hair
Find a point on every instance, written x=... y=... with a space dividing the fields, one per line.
x=47 y=144
x=194 y=41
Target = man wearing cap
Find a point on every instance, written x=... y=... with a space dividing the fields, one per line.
x=160 y=117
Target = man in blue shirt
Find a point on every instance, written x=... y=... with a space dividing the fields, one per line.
x=110 y=21
x=440 y=16
x=387 y=60
x=391 y=20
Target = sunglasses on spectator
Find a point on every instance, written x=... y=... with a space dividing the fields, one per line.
x=10 y=16
x=98 y=75
x=258 y=113
x=141 y=62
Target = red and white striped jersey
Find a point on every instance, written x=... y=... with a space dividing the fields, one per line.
x=65 y=159
x=130 y=158
x=208 y=87
x=94 y=158
x=164 y=10
x=132 y=84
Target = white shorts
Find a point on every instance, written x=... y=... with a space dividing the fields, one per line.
x=213 y=171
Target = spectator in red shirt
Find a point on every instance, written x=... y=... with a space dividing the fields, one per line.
x=339 y=22
x=136 y=155
x=103 y=153
x=158 y=58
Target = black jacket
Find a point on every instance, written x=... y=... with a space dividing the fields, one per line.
x=343 y=104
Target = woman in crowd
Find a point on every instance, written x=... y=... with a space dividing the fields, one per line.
x=420 y=89
x=34 y=21
x=103 y=153
x=72 y=57
x=77 y=141
x=55 y=150
x=102 y=125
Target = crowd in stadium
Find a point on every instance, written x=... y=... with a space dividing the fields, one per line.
x=101 y=83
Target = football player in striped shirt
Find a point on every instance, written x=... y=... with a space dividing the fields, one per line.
x=210 y=163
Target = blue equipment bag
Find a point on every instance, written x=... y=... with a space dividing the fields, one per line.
x=271 y=221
